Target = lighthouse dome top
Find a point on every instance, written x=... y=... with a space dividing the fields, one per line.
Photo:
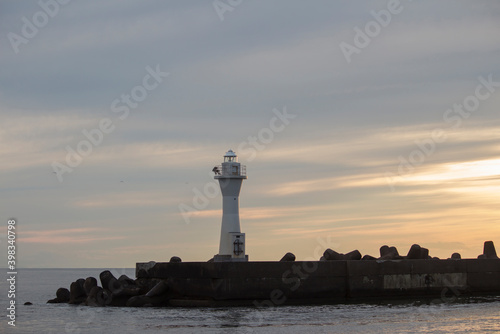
x=230 y=153
x=230 y=156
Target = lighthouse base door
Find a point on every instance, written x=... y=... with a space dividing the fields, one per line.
x=237 y=247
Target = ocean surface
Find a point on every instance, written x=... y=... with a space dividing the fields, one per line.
x=463 y=315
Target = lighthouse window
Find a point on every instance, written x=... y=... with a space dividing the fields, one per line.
x=235 y=170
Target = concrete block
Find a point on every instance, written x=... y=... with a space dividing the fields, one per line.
x=484 y=282
x=482 y=265
x=363 y=268
x=366 y=285
x=352 y=256
x=414 y=252
x=384 y=250
x=288 y=257
x=331 y=255
x=489 y=250
x=394 y=267
x=438 y=266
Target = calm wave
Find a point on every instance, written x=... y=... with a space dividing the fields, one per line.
x=470 y=315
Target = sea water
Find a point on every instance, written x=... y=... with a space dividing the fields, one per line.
x=457 y=315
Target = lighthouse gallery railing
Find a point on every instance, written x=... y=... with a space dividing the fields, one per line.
x=232 y=170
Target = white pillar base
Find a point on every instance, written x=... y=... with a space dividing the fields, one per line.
x=228 y=258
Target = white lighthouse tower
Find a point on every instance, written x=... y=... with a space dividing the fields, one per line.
x=232 y=242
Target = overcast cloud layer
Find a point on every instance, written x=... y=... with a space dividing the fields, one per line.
x=394 y=143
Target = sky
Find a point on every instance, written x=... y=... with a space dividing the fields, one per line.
x=361 y=123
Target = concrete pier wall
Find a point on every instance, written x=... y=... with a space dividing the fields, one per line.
x=286 y=282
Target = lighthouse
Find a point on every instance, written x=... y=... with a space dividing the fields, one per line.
x=232 y=242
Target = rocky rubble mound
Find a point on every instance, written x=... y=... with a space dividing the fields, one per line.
x=122 y=291
x=416 y=252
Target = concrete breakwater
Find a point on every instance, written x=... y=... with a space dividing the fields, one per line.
x=334 y=278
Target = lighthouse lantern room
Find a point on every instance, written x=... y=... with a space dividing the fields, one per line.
x=232 y=242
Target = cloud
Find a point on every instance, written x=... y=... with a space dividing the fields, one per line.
x=125 y=199
x=259 y=213
x=472 y=170
x=322 y=175
x=325 y=184
x=68 y=236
